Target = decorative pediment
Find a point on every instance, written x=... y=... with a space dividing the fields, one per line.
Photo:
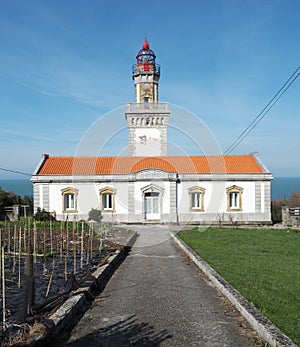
x=151 y=173
x=107 y=190
x=152 y=188
x=69 y=190
x=196 y=189
x=234 y=188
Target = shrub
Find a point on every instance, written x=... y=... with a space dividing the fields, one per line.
x=95 y=215
x=43 y=215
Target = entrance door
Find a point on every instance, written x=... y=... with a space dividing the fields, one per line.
x=152 y=210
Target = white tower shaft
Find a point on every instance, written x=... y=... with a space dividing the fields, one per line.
x=147 y=119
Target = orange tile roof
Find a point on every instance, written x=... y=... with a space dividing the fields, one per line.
x=125 y=165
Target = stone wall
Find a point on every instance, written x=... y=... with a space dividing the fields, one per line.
x=291 y=217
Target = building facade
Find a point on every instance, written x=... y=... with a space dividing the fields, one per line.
x=148 y=185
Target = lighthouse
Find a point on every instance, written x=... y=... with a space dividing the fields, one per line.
x=147 y=119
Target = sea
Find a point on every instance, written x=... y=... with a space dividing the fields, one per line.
x=21 y=187
x=282 y=187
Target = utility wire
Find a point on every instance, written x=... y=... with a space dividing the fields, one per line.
x=244 y=133
x=16 y=172
x=264 y=111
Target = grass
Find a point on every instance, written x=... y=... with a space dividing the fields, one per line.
x=263 y=265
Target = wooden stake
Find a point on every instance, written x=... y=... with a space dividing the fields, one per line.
x=51 y=245
x=14 y=249
x=61 y=239
x=91 y=240
x=1 y=237
x=29 y=280
x=45 y=238
x=51 y=278
x=20 y=246
x=5 y=224
x=101 y=233
x=29 y=224
x=34 y=241
x=67 y=253
x=25 y=243
x=88 y=245
x=3 y=291
x=74 y=248
x=8 y=241
x=81 y=251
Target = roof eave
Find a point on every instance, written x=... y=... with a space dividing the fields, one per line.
x=41 y=164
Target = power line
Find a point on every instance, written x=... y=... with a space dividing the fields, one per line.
x=264 y=111
x=16 y=172
x=245 y=132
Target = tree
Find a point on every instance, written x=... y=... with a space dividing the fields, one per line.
x=95 y=215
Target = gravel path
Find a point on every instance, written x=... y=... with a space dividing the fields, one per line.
x=157 y=298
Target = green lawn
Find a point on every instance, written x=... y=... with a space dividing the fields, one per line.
x=263 y=265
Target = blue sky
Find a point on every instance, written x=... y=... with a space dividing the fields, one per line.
x=64 y=64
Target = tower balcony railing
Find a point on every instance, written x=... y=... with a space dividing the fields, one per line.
x=145 y=68
x=153 y=107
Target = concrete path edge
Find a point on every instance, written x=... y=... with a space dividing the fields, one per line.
x=60 y=318
x=265 y=328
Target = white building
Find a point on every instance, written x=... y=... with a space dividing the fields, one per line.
x=148 y=185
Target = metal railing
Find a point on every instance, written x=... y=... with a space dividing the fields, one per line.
x=146 y=68
x=147 y=107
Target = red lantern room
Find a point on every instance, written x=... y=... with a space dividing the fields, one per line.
x=145 y=55
x=145 y=61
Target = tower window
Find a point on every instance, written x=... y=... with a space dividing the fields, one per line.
x=146 y=99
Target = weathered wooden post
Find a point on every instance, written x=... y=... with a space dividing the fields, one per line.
x=3 y=289
x=29 y=279
x=285 y=216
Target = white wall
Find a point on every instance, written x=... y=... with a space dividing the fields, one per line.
x=215 y=198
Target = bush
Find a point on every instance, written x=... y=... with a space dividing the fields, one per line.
x=95 y=215
x=43 y=215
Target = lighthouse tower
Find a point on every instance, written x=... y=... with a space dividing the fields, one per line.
x=147 y=119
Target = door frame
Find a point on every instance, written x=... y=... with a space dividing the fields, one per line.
x=152 y=188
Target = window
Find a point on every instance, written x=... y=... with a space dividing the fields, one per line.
x=69 y=201
x=107 y=199
x=196 y=199
x=146 y=100
x=234 y=198
x=69 y=196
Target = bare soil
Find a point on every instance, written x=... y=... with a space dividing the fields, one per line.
x=54 y=276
